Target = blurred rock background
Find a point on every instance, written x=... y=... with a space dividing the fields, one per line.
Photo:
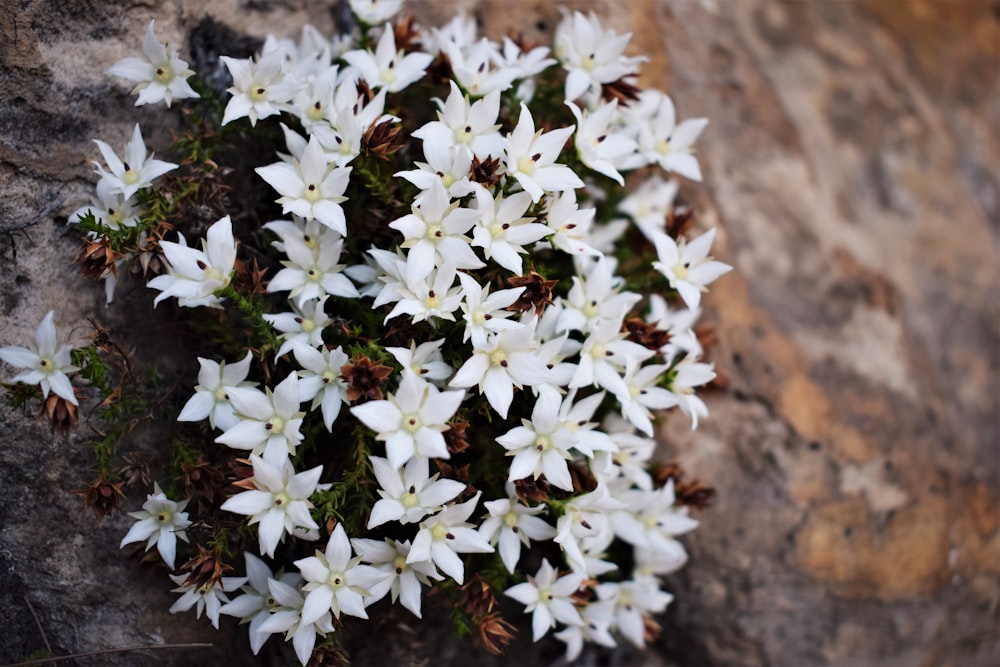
x=851 y=167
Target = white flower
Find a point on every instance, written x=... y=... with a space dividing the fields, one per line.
x=660 y=140
x=403 y=579
x=502 y=228
x=374 y=12
x=604 y=356
x=460 y=123
x=548 y=598
x=320 y=380
x=259 y=87
x=410 y=494
x=633 y=599
x=111 y=209
x=643 y=394
x=586 y=524
x=302 y=326
x=311 y=274
x=412 y=420
x=206 y=598
x=542 y=444
x=652 y=520
x=599 y=146
x=511 y=524
x=509 y=359
x=687 y=375
x=388 y=68
x=210 y=398
x=310 y=186
x=447 y=166
x=595 y=296
x=445 y=535
x=337 y=581
x=135 y=172
x=531 y=156
x=650 y=204
x=688 y=266
x=269 y=422
x=571 y=225
x=474 y=67
x=484 y=311
x=159 y=74
x=46 y=366
x=279 y=502
x=161 y=522
x=434 y=295
x=434 y=233
x=257 y=604
x=194 y=276
x=424 y=360
x=591 y=55
x=287 y=618
x=597 y=619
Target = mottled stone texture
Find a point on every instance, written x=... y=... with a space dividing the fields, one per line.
x=851 y=168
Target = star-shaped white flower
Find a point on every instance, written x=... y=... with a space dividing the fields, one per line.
x=313 y=274
x=287 y=617
x=424 y=360
x=484 y=311
x=45 y=365
x=311 y=186
x=531 y=158
x=591 y=55
x=337 y=581
x=302 y=326
x=599 y=145
x=388 y=68
x=194 y=276
x=410 y=494
x=634 y=599
x=320 y=380
x=269 y=422
x=205 y=598
x=502 y=230
x=279 y=502
x=403 y=580
x=135 y=172
x=161 y=522
x=259 y=87
x=688 y=266
x=660 y=139
x=257 y=604
x=511 y=524
x=159 y=74
x=374 y=12
x=686 y=375
x=210 y=399
x=445 y=535
x=411 y=421
x=460 y=123
x=541 y=444
x=548 y=598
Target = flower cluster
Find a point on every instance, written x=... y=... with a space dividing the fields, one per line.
x=472 y=321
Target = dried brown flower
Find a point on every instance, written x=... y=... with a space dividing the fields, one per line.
x=476 y=597
x=383 y=139
x=692 y=493
x=407 y=32
x=679 y=220
x=365 y=91
x=135 y=470
x=439 y=71
x=206 y=568
x=486 y=172
x=537 y=292
x=622 y=90
x=97 y=259
x=202 y=479
x=494 y=633
x=249 y=279
x=103 y=497
x=646 y=334
x=454 y=438
x=532 y=491
x=62 y=414
x=364 y=378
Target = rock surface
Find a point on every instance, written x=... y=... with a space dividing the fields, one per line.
x=850 y=165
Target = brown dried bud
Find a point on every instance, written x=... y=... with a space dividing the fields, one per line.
x=537 y=292
x=665 y=472
x=407 y=32
x=646 y=334
x=206 y=568
x=62 y=414
x=365 y=91
x=679 y=220
x=494 y=633
x=383 y=139
x=202 y=479
x=103 y=497
x=486 y=172
x=621 y=90
x=476 y=597
x=249 y=279
x=97 y=259
x=451 y=472
x=694 y=494
x=135 y=470
x=329 y=655
x=650 y=630
x=532 y=491
x=439 y=71
x=364 y=378
x=454 y=438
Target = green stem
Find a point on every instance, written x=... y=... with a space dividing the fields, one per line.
x=254 y=314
